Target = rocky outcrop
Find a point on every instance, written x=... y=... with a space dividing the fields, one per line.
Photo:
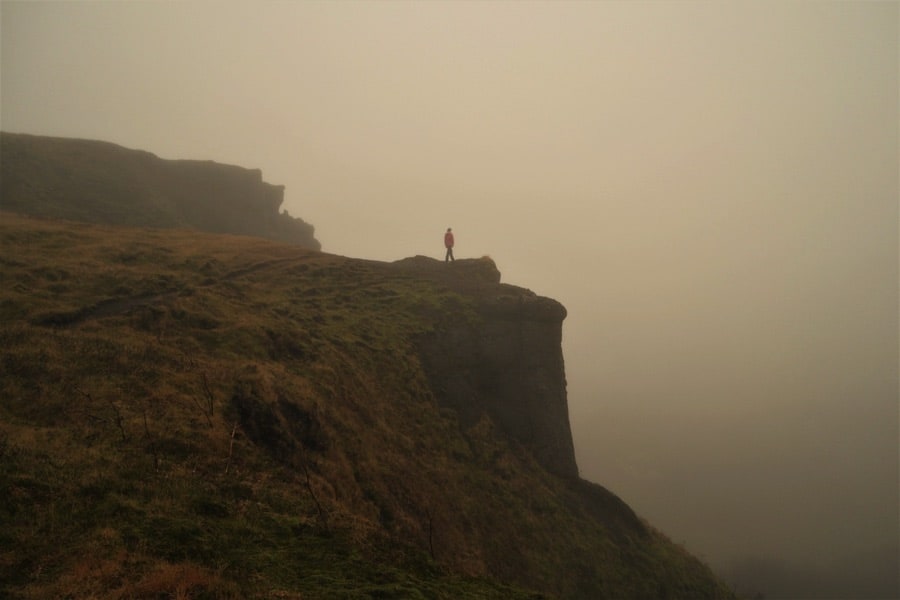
x=99 y=182
x=506 y=362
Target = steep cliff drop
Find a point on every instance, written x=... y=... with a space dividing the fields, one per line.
x=507 y=362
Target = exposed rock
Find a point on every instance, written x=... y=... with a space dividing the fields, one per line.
x=508 y=362
x=459 y=273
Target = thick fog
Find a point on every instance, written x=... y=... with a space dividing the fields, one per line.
x=710 y=188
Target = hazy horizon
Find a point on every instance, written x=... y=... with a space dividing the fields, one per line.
x=711 y=189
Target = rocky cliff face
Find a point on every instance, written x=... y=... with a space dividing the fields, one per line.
x=507 y=362
x=99 y=182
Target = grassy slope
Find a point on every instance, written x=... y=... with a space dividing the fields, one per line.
x=188 y=415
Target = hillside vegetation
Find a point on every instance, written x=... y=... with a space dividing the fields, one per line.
x=190 y=415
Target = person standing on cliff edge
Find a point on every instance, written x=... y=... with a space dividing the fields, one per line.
x=448 y=244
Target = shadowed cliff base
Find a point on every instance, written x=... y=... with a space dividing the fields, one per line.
x=507 y=363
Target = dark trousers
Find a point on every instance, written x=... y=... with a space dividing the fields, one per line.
x=449 y=255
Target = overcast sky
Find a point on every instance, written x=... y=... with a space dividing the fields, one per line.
x=711 y=188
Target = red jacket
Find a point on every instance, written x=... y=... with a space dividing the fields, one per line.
x=448 y=240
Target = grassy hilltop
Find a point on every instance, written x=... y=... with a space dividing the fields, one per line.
x=190 y=415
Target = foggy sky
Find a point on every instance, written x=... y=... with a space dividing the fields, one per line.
x=710 y=188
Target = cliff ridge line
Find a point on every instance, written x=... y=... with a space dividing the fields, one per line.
x=101 y=182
